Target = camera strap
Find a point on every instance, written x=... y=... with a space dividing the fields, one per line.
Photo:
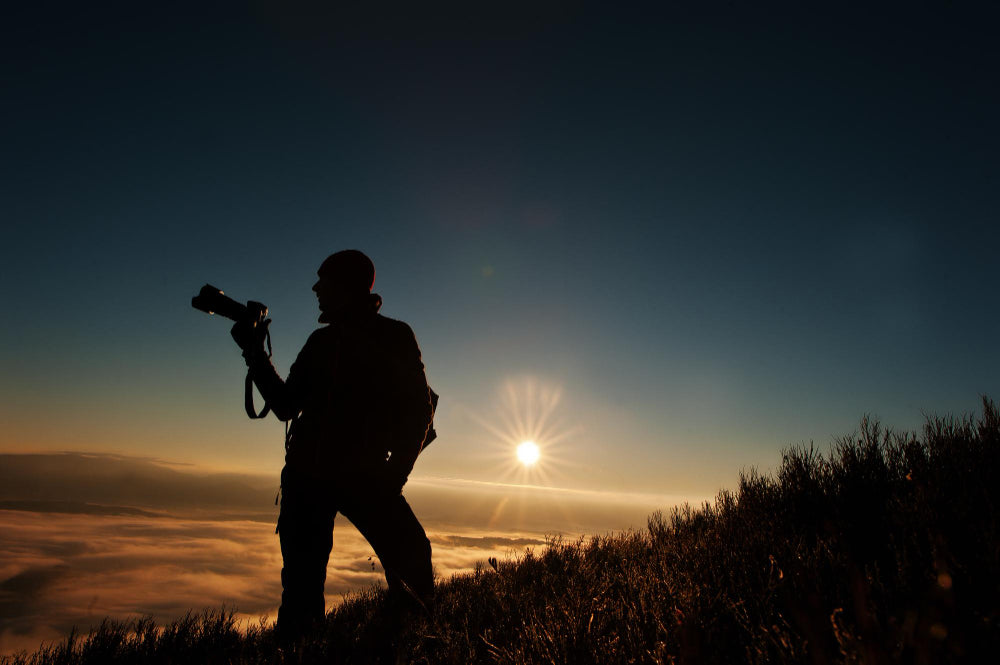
x=248 y=390
x=248 y=401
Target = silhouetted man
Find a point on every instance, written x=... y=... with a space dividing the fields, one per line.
x=360 y=409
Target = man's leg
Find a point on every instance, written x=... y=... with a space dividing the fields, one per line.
x=394 y=533
x=305 y=530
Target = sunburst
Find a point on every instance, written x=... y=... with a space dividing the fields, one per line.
x=529 y=436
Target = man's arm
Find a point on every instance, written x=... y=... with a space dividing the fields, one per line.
x=284 y=397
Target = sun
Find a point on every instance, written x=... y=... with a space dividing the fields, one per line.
x=527 y=422
x=527 y=452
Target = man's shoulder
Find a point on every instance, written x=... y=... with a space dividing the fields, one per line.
x=383 y=327
x=393 y=325
x=321 y=335
x=395 y=331
x=320 y=341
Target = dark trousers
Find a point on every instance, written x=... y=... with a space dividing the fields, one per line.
x=305 y=529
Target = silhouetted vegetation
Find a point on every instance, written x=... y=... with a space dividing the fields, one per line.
x=885 y=549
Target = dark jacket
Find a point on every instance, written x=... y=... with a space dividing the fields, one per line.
x=357 y=397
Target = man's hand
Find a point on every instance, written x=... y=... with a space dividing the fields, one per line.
x=250 y=335
x=392 y=480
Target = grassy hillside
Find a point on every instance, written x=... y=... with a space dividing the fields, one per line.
x=884 y=549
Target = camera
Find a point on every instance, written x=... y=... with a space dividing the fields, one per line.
x=212 y=300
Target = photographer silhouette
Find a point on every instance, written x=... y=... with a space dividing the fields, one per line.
x=360 y=411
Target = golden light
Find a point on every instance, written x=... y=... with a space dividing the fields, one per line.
x=528 y=422
x=527 y=452
x=527 y=419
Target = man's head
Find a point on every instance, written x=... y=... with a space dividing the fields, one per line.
x=344 y=278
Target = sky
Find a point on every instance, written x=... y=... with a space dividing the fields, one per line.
x=664 y=241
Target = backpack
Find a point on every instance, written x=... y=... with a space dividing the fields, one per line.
x=431 y=433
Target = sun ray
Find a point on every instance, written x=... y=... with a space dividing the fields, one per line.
x=528 y=410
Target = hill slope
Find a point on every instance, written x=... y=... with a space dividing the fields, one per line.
x=884 y=549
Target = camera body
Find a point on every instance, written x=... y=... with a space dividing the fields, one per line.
x=212 y=300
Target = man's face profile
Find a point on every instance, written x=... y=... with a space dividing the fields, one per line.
x=330 y=293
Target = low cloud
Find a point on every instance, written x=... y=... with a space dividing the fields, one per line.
x=126 y=481
x=485 y=542
x=83 y=537
x=62 y=570
x=74 y=508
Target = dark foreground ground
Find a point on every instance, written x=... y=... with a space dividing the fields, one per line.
x=883 y=550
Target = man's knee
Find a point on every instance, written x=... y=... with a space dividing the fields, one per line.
x=422 y=546
x=303 y=579
x=419 y=573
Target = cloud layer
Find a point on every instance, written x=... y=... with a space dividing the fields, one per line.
x=83 y=537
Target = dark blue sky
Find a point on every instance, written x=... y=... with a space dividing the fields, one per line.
x=717 y=230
